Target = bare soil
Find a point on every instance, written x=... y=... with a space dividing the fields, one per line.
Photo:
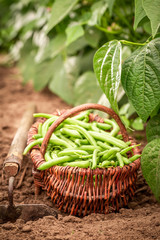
x=140 y=220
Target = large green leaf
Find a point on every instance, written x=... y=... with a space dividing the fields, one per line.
x=107 y=67
x=43 y=73
x=139 y=13
x=73 y=33
x=65 y=74
x=141 y=78
x=153 y=128
x=54 y=47
x=152 y=9
x=86 y=89
x=60 y=9
x=150 y=164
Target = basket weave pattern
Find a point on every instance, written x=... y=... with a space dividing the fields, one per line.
x=80 y=191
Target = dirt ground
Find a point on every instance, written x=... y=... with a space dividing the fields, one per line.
x=141 y=220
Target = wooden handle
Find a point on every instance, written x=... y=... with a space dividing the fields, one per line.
x=78 y=109
x=13 y=161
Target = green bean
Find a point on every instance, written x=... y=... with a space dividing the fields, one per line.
x=110 y=152
x=81 y=115
x=103 y=126
x=85 y=133
x=60 y=142
x=89 y=148
x=126 y=160
x=77 y=122
x=128 y=149
x=80 y=164
x=46 y=125
x=71 y=133
x=95 y=159
x=115 y=126
x=106 y=163
x=116 y=163
x=56 y=161
x=84 y=157
x=37 y=136
x=81 y=141
x=120 y=159
x=54 y=154
x=104 y=145
x=94 y=127
x=43 y=115
x=135 y=157
x=70 y=142
x=86 y=119
x=32 y=144
x=72 y=152
x=119 y=136
x=108 y=138
x=47 y=156
x=40 y=129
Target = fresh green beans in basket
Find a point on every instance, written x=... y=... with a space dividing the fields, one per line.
x=79 y=143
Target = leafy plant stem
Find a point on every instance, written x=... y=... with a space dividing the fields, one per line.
x=132 y=43
x=108 y=31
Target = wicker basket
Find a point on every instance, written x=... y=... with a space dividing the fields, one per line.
x=74 y=190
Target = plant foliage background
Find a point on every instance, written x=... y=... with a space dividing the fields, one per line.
x=55 y=41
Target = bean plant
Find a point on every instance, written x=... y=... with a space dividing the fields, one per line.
x=139 y=75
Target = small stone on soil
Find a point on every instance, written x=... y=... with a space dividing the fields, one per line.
x=26 y=229
x=8 y=226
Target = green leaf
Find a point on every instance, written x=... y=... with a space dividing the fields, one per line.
x=60 y=9
x=64 y=77
x=138 y=124
x=150 y=164
x=152 y=9
x=127 y=109
x=147 y=27
x=86 y=61
x=92 y=36
x=153 y=128
x=126 y=52
x=76 y=46
x=141 y=78
x=43 y=73
x=155 y=111
x=97 y=9
x=125 y=121
x=27 y=63
x=139 y=13
x=54 y=47
x=107 y=67
x=110 y=5
x=73 y=33
x=86 y=89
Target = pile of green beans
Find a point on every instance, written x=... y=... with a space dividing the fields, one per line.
x=78 y=143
